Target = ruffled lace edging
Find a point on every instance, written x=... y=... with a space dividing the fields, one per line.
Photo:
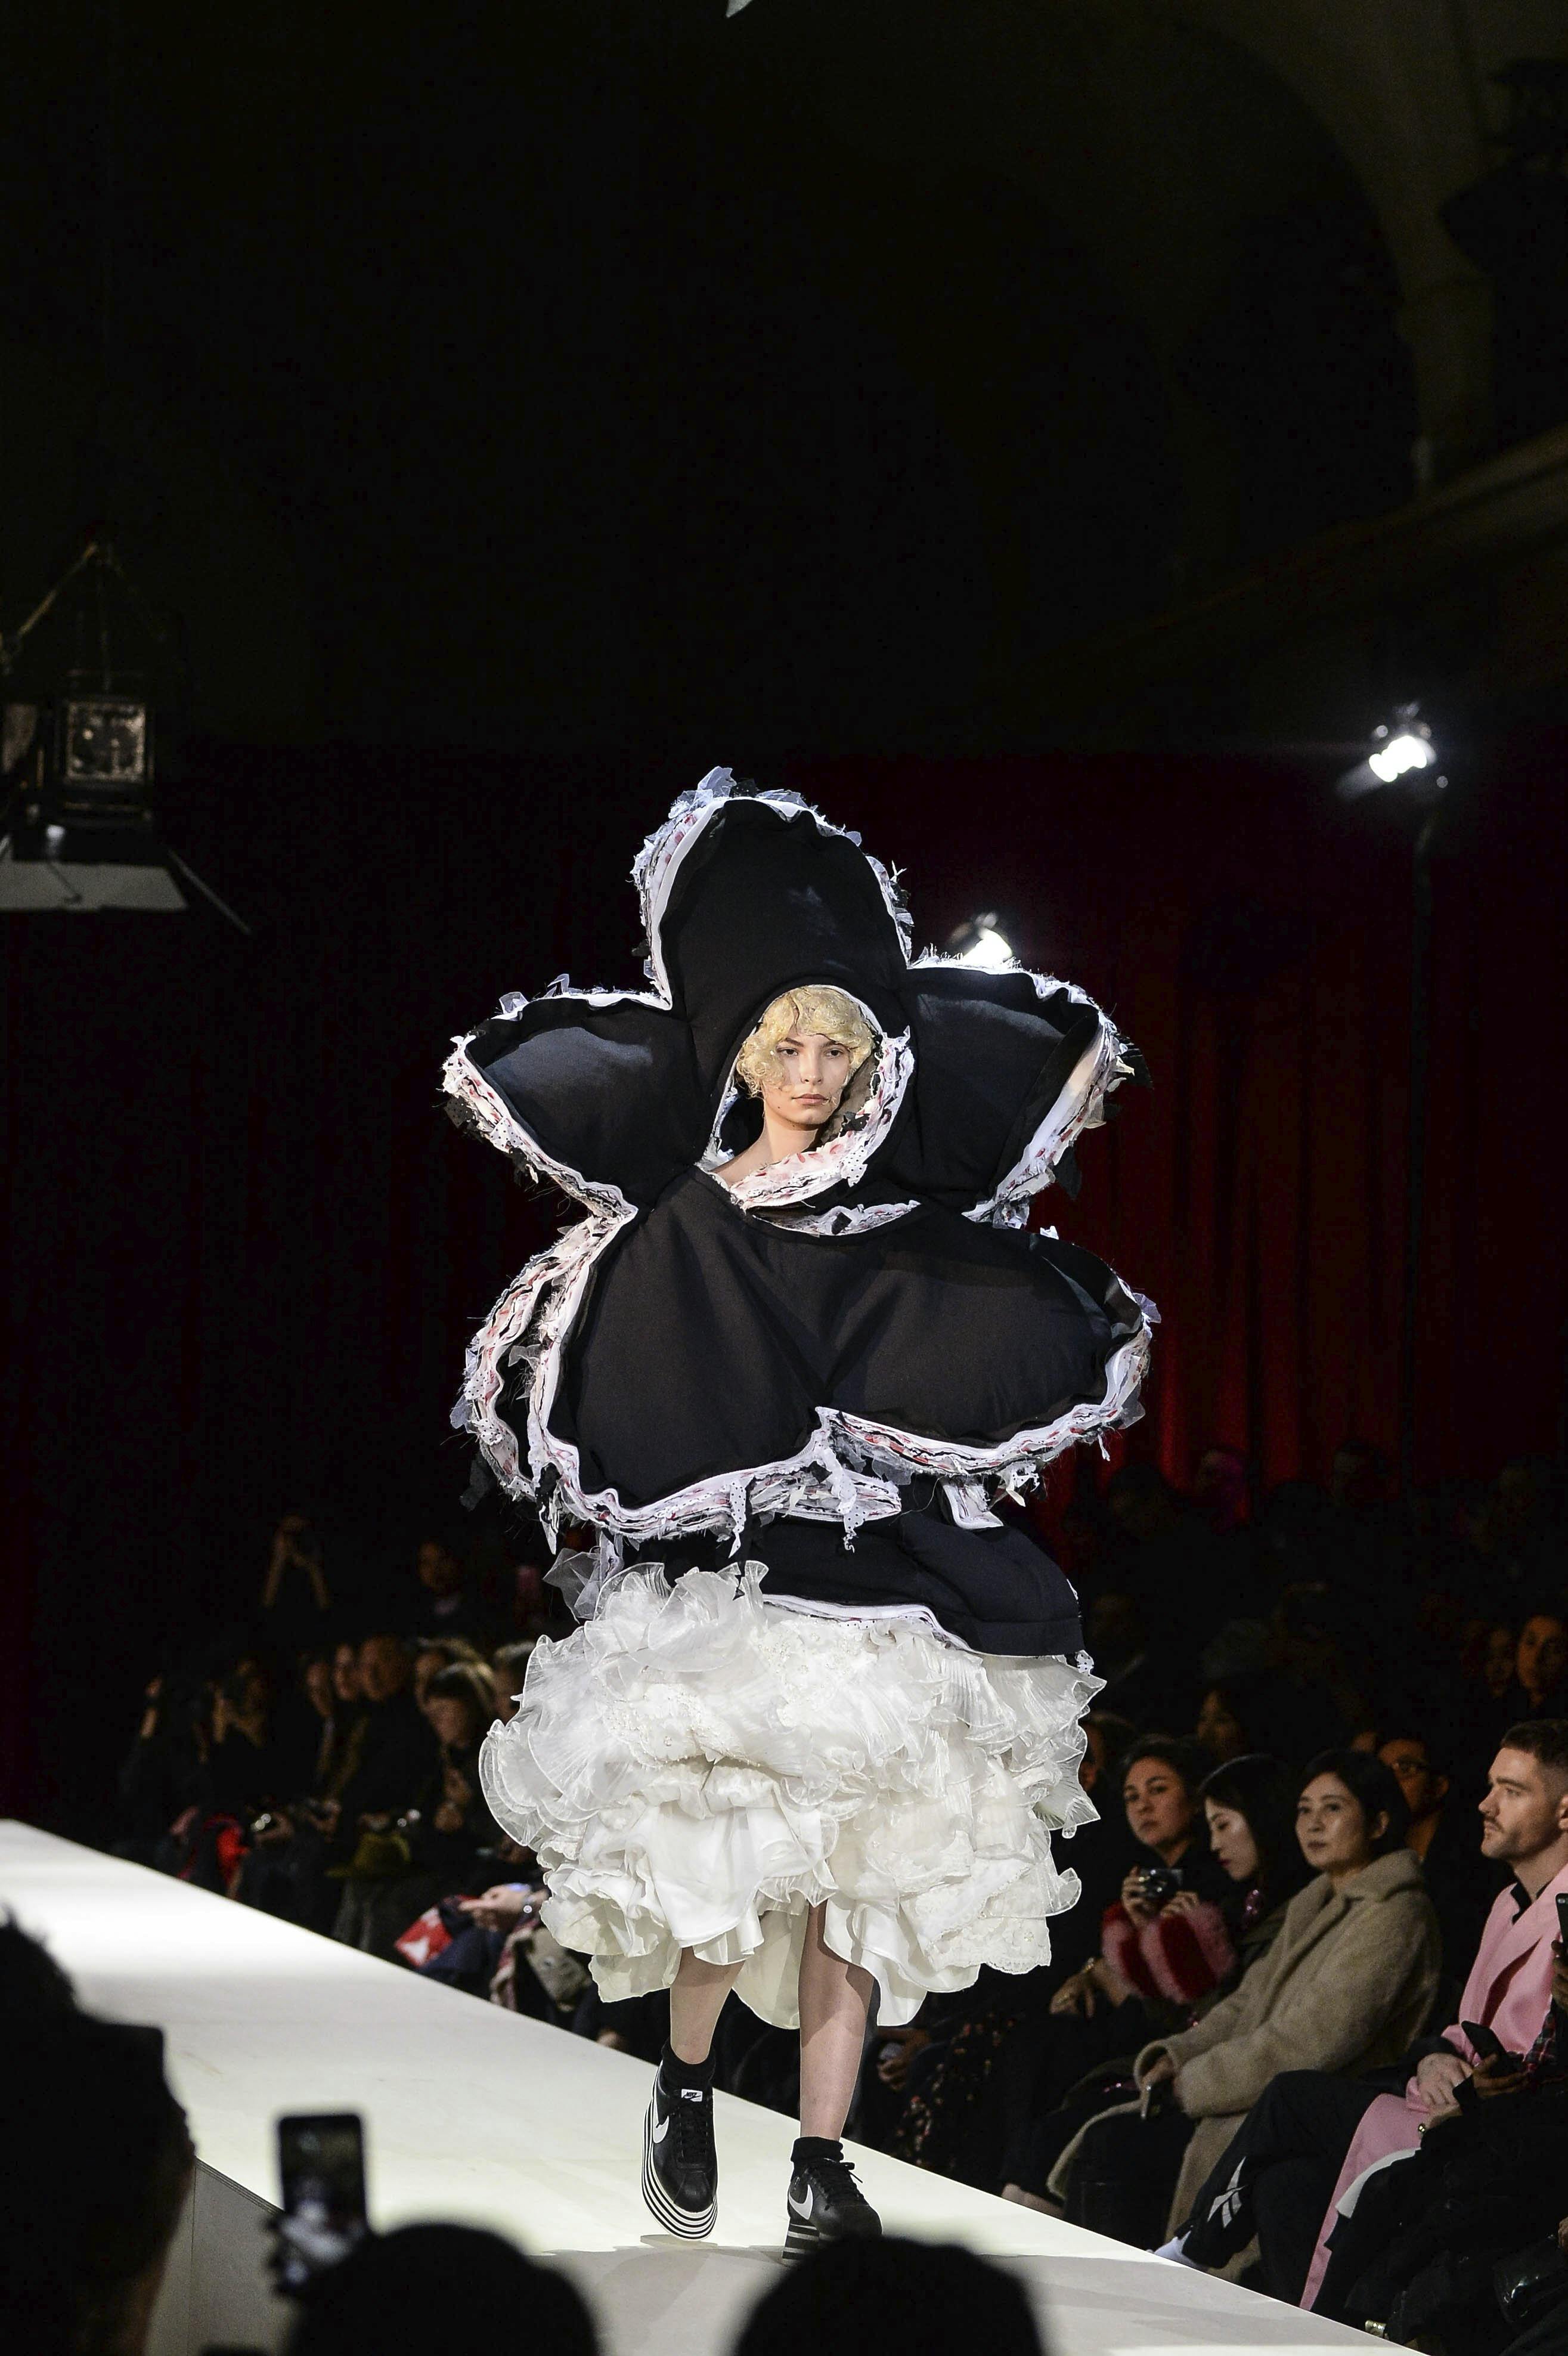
x=696 y=1767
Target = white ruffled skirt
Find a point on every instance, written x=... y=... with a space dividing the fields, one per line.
x=695 y=1767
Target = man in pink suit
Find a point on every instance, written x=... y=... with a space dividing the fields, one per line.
x=1525 y=1826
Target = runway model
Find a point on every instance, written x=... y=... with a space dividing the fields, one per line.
x=821 y=1715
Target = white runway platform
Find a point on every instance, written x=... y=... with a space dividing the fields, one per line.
x=474 y=2114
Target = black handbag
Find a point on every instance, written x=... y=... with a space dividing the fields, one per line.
x=1532 y=2282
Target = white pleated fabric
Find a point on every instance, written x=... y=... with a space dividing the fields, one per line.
x=696 y=1768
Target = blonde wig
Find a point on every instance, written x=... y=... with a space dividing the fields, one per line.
x=817 y=1007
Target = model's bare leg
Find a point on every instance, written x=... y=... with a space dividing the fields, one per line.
x=696 y=2001
x=833 y=1999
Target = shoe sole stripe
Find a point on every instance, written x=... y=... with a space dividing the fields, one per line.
x=691 y=2224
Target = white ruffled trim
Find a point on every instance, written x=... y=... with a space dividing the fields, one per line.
x=696 y=1768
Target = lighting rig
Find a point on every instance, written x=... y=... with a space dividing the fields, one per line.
x=79 y=680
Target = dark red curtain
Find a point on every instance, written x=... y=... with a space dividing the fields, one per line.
x=246 y=1249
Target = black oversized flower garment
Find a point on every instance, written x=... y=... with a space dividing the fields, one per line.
x=843 y=1359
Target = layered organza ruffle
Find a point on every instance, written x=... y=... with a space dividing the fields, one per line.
x=695 y=1767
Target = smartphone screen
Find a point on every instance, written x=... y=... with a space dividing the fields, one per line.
x=321 y=2163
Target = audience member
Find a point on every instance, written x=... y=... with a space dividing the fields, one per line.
x=1540 y=1661
x=1461 y=1881
x=1098 y=2018
x=383 y=1889
x=1509 y=1992
x=98 y=2166
x=413 y=2288
x=1463 y=2238
x=934 y=2091
x=449 y=1602
x=434 y=1654
x=892 y=2297
x=1344 y=1988
x=510 y=1666
x=1114 y=2167
x=295 y=1597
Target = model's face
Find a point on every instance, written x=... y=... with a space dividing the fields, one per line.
x=1425 y=1790
x=1159 y=1804
x=1230 y=1838
x=810 y=1073
x=1331 y=1828
x=1525 y=1809
x=346 y=1673
x=1542 y=1650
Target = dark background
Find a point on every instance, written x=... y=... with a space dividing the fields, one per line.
x=523 y=413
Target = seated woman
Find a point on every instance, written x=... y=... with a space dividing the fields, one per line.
x=1098 y=2015
x=1345 y=1987
x=1117 y=2167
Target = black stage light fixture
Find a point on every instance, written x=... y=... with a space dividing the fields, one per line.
x=79 y=749
x=81 y=681
x=1402 y=760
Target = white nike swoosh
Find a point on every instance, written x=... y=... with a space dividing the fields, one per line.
x=802 y=2208
x=661 y=2131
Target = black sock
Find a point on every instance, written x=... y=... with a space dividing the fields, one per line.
x=679 y=2075
x=809 y=2150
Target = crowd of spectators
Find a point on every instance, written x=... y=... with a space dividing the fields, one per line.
x=1330 y=1759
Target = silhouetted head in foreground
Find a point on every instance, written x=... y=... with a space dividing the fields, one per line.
x=892 y=2297
x=97 y=2164
x=406 y=2289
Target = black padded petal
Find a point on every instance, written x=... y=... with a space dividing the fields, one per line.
x=991 y=1057
x=610 y=1091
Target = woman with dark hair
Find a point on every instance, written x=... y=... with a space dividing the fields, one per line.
x=1101 y=2010
x=460 y=1705
x=1345 y=1987
x=1103 y=2156
x=1098 y=2016
x=1117 y=2174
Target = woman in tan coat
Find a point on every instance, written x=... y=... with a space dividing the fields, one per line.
x=1345 y=1986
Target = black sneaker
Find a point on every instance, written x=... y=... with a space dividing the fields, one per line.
x=825 y=2204
x=680 y=2167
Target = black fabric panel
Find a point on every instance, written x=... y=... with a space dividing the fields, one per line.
x=990 y=1059
x=709 y=1339
x=612 y=1091
x=993 y=1588
x=761 y=903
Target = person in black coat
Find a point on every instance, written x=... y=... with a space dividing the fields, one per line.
x=1445 y=1835
x=383 y=1888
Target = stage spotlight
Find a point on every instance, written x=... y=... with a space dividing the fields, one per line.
x=1402 y=747
x=1402 y=752
x=979 y=943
